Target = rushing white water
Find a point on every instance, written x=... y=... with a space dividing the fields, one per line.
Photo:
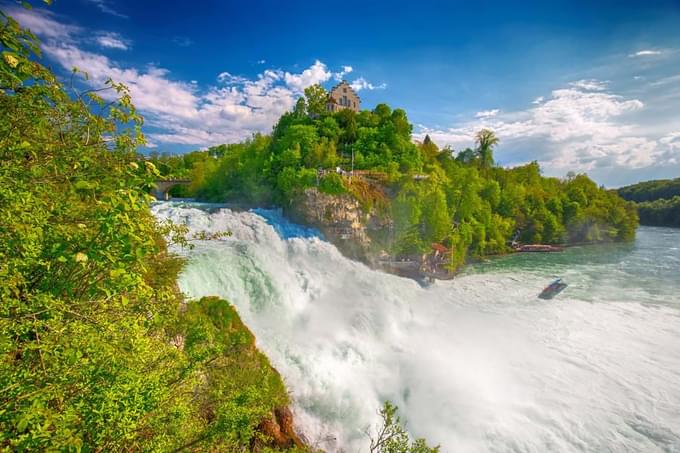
x=476 y=364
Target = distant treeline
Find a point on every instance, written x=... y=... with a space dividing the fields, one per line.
x=660 y=212
x=658 y=201
x=651 y=190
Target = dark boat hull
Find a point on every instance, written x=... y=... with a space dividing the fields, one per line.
x=552 y=291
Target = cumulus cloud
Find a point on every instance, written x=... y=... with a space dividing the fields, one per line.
x=226 y=113
x=228 y=78
x=112 y=40
x=363 y=84
x=581 y=127
x=317 y=73
x=538 y=100
x=487 y=113
x=341 y=75
x=645 y=53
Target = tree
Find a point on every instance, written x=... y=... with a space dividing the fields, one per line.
x=467 y=156
x=300 y=107
x=391 y=437
x=316 y=97
x=486 y=140
x=429 y=148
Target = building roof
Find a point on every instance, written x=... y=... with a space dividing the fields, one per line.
x=344 y=82
x=439 y=248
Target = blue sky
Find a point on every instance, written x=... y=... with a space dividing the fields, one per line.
x=578 y=86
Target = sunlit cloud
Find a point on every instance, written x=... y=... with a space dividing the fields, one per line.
x=487 y=113
x=645 y=53
x=112 y=41
x=363 y=84
x=581 y=127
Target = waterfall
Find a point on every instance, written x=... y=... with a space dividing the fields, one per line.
x=476 y=364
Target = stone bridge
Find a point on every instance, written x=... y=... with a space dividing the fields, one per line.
x=163 y=186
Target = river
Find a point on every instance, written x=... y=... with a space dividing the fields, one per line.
x=476 y=364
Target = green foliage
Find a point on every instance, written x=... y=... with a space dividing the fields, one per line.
x=486 y=140
x=238 y=388
x=332 y=184
x=657 y=201
x=391 y=437
x=651 y=190
x=91 y=325
x=316 y=97
x=660 y=212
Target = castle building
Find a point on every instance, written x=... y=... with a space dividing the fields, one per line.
x=342 y=96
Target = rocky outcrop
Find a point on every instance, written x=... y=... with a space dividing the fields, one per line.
x=342 y=221
x=279 y=431
x=362 y=235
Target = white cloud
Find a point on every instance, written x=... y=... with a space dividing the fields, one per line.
x=581 y=127
x=363 y=84
x=645 y=53
x=341 y=75
x=227 y=78
x=112 y=40
x=43 y=23
x=589 y=85
x=185 y=114
x=151 y=89
x=538 y=100
x=317 y=73
x=487 y=113
x=261 y=61
x=104 y=7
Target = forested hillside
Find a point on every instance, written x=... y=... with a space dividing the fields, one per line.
x=658 y=201
x=430 y=195
x=651 y=190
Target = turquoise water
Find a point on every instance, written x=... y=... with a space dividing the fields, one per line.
x=645 y=271
x=476 y=364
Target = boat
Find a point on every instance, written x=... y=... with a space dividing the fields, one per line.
x=553 y=289
x=538 y=248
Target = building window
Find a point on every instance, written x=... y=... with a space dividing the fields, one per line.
x=344 y=90
x=344 y=101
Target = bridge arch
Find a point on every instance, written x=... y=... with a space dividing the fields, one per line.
x=162 y=187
